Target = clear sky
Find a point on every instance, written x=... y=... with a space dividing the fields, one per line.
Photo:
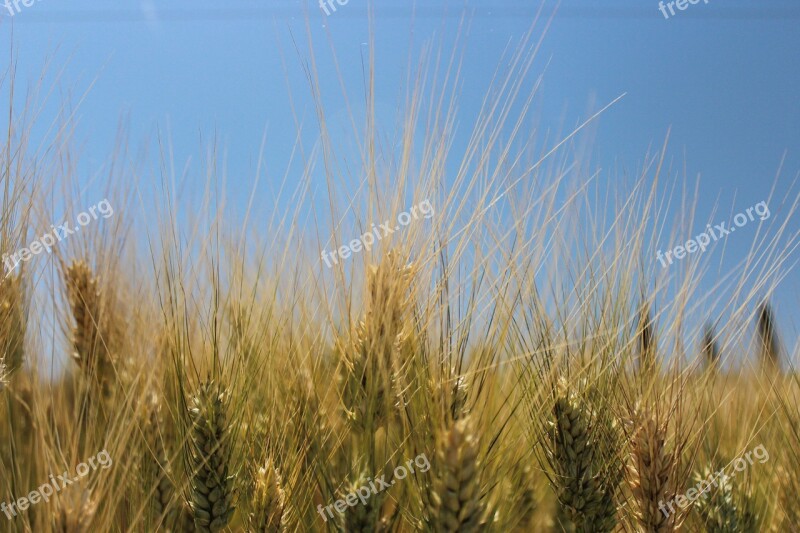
x=724 y=76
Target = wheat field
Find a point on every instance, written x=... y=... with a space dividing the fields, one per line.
x=509 y=357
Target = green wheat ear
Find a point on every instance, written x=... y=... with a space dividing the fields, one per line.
x=526 y=504
x=211 y=488
x=722 y=511
x=770 y=345
x=710 y=348
x=456 y=504
x=585 y=484
x=365 y=518
x=269 y=501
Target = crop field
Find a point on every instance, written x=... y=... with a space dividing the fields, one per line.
x=456 y=323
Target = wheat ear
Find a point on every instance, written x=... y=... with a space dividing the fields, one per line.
x=12 y=325
x=365 y=518
x=456 y=499
x=526 y=503
x=76 y=510
x=787 y=493
x=92 y=333
x=710 y=347
x=155 y=463
x=372 y=372
x=209 y=455
x=269 y=501
x=721 y=512
x=459 y=407
x=647 y=341
x=649 y=477
x=768 y=336
x=581 y=483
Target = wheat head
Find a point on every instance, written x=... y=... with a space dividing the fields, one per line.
x=649 y=478
x=93 y=330
x=211 y=486
x=269 y=501
x=456 y=498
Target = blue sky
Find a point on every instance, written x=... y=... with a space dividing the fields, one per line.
x=722 y=76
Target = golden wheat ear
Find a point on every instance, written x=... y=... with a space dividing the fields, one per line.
x=156 y=470
x=650 y=477
x=788 y=485
x=269 y=501
x=76 y=510
x=456 y=503
x=209 y=454
x=92 y=335
x=13 y=324
x=373 y=372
